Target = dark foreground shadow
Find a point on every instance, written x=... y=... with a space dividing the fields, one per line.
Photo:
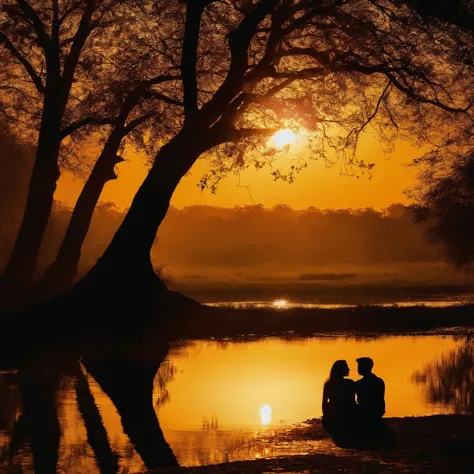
x=128 y=384
x=361 y=434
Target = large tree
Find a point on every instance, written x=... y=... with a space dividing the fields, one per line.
x=249 y=69
x=54 y=56
x=444 y=188
x=137 y=104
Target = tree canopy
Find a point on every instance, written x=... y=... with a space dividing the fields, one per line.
x=232 y=74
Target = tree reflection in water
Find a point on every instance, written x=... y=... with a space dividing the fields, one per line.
x=129 y=385
x=97 y=438
x=29 y=412
x=449 y=380
x=38 y=421
x=164 y=376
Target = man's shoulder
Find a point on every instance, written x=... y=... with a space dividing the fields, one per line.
x=371 y=379
x=379 y=380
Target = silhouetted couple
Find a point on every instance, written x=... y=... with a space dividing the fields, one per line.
x=355 y=422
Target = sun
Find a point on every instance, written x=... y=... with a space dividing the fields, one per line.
x=283 y=138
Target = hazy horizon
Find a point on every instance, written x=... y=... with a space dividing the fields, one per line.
x=253 y=252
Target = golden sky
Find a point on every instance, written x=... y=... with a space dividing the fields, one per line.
x=315 y=186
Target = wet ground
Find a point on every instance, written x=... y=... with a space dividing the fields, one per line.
x=436 y=444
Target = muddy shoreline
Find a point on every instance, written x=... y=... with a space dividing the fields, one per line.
x=433 y=444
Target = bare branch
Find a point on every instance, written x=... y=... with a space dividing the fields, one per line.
x=382 y=97
x=136 y=122
x=424 y=100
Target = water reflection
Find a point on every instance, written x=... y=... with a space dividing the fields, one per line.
x=265 y=414
x=129 y=385
x=164 y=376
x=53 y=420
x=207 y=402
x=449 y=379
x=97 y=438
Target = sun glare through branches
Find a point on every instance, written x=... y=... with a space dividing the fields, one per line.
x=283 y=138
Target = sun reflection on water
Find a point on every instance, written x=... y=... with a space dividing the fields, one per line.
x=281 y=303
x=265 y=414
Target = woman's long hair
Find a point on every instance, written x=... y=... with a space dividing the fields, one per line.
x=338 y=370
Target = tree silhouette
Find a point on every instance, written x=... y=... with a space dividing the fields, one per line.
x=53 y=52
x=444 y=195
x=141 y=108
x=346 y=62
x=444 y=189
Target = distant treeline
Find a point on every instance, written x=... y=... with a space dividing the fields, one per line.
x=251 y=236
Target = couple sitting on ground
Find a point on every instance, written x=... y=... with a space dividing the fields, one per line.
x=351 y=422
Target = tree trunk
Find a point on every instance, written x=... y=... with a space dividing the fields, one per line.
x=123 y=278
x=59 y=275
x=20 y=268
x=122 y=295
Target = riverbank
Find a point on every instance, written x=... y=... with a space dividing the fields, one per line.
x=184 y=319
x=229 y=322
x=435 y=444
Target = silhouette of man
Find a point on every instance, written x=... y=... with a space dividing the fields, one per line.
x=370 y=391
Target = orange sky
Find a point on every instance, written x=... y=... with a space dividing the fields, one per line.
x=315 y=186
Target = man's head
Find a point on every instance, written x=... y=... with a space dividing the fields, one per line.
x=364 y=365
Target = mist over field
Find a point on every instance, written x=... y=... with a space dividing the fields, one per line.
x=254 y=253
x=356 y=255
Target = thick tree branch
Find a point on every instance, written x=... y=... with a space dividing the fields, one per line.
x=74 y=6
x=55 y=25
x=162 y=78
x=130 y=102
x=143 y=90
x=83 y=31
x=194 y=10
x=343 y=63
x=239 y=42
x=35 y=21
x=24 y=62
x=75 y=126
x=165 y=98
x=279 y=17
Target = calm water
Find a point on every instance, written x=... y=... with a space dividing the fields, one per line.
x=220 y=401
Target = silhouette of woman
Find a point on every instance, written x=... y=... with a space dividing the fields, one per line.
x=339 y=405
